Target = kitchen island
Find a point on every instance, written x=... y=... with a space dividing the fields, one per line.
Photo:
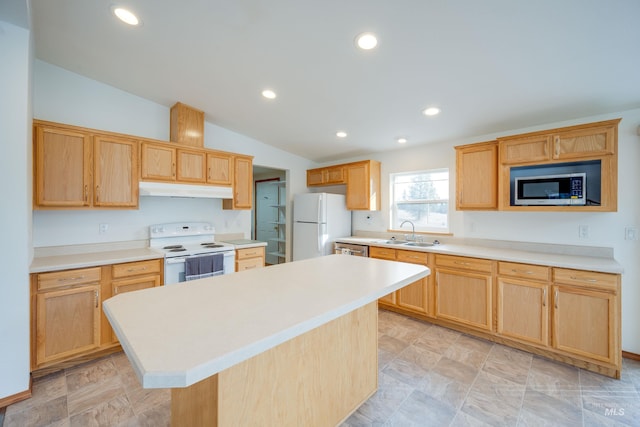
x=292 y=344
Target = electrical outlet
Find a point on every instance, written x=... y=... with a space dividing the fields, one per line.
x=630 y=233
x=583 y=231
x=104 y=228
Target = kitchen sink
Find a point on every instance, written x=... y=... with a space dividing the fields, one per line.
x=394 y=242
x=419 y=244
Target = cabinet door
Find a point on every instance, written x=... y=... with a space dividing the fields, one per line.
x=523 y=310
x=477 y=177
x=191 y=166
x=158 y=162
x=584 y=323
x=464 y=297
x=363 y=186
x=68 y=323
x=249 y=264
x=384 y=253
x=316 y=177
x=525 y=149
x=414 y=297
x=220 y=169
x=242 y=184
x=584 y=143
x=63 y=167
x=335 y=175
x=115 y=172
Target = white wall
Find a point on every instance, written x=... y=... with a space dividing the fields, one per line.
x=15 y=214
x=65 y=97
x=606 y=229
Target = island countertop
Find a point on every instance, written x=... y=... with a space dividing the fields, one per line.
x=178 y=335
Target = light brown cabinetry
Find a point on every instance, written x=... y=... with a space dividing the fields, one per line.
x=477 y=176
x=250 y=258
x=464 y=291
x=523 y=302
x=242 y=184
x=67 y=314
x=361 y=178
x=76 y=168
x=158 y=162
x=192 y=166
x=220 y=168
x=186 y=125
x=586 y=315
x=413 y=297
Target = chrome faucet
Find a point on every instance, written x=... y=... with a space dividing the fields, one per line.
x=413 y=230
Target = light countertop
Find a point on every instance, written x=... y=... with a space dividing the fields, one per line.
x=245 y=243
x=42 y=264
x=550 y=259
x=190 y=331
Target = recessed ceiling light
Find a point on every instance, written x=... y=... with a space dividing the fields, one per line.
x=431 y=111
x=366 y=41
x=401 y=140
x=125 y=15
x=341 y=134
x=269 y=94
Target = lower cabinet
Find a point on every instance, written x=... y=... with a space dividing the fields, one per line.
x=464 y=291
x=67 y=320
x=413 y=297
x=523 y=302
x=586 y=315
x=67 y=314
x=250 y=258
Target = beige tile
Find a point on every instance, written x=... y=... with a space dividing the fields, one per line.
x=437 y=339
x=392 y=345
x=405 y=371
x=44 y=389
x=384 y=357
x=143 y=400
x=89 y=396
x=404 y=333
x=539 y=409
x=90 y=374
x=51 y=412
x=159 y=416
x=419 y=357
x=494 y=400
x=455 y=370
x=391 y=393
x=508 y=363
x=462 y=354
x=562 y=371
x=465 y=420
x=108 y=413
x=474 y=344
x=444 y=389
x=420 y=409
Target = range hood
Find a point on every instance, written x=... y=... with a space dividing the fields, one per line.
x=163 y=189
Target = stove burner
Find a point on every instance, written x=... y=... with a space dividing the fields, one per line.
x=178 y=249
x=173 y=247
x=207 y=243
x=212 y=245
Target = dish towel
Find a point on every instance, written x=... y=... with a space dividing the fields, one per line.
x=204 y=266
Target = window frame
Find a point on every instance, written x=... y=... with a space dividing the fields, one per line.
x=393 y=205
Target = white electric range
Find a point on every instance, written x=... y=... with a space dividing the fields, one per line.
x=183 y=242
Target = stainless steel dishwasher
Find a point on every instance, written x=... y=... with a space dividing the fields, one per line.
x=351 y=249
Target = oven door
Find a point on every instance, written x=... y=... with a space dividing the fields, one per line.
x=174 y=267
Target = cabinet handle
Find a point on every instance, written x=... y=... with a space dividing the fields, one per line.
x=513 y=270
x=584 y=280
x=131 y=270
x=97 y=193
x=209 y=173
x=556 y=141
x=173 y=169
x=544 y=297
x=96 y=298
x=460 y=263
x=86 y=193
x=556 y=299
x=69 y=279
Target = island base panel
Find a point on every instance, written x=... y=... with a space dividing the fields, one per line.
x=316 y=379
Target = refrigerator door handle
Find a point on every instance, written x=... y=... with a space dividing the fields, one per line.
x=319 y=208
x=319 y=240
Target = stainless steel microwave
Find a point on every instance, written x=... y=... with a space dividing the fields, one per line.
x=550 y=190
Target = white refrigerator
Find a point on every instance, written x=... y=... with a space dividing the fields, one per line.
x=318 y=219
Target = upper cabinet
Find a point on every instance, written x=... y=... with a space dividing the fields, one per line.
x=220 y=168
x=78 y=168
x=192 y=166
x=361 y=178
x=187 y=125
x=158 y=162
x=242 y=184
x=477 y=176
x=590 y=147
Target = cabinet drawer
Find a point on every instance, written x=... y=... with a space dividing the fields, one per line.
x=464 y=263
x=135 y=268
x=384 y=253
x=412 y=257
x=250 y=253
x=59 y=279
x=249 y=264
x=586 y=278
x=524 y=271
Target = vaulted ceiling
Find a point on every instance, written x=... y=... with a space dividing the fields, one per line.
x=490 y=66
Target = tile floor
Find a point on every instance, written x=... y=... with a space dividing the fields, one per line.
x=429 y=376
